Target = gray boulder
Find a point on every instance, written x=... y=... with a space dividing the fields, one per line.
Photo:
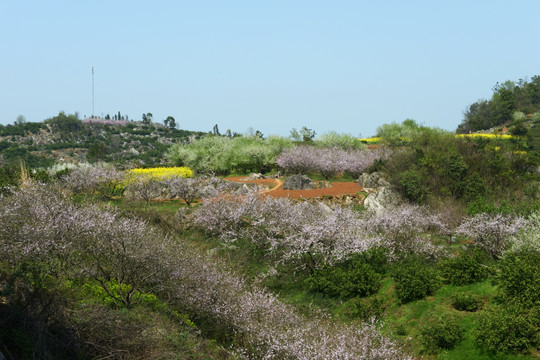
x=298 y=182
x=255 y=176
x=208 y=192
x=244 y=189
x=385 y=199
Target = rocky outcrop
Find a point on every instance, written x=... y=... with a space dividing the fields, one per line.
x=331 y=202
x=381 y=195
x=208 y=192
x=384 y=199
x=237 y=188
x=298 y=182
x=373 y=180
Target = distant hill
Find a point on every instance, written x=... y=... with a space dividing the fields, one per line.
x=65 y=138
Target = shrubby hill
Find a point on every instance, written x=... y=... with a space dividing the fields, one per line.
x=507 y=98
x=66 y=138
x=482 y=172
x=513 y=107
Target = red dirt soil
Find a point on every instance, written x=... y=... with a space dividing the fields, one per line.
x=338 y=188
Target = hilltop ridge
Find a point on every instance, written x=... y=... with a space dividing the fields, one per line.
x=66 y=138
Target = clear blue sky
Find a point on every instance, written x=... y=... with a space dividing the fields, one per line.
x=347 y=66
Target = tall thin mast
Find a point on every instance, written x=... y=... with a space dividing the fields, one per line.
x=93 y=92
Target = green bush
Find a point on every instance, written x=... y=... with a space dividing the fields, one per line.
x=9 y=176
x=364 y=308
x=376 y=257
x=413 y=187
x=40 y=175
x=484 y=205
x=352 y=278
x=464 y=269
x=415 y=279
x=443 y=334
x=455 y=170
x=507 y=330
x=333 y=139
x=466 y=302
x=519 y=278
x=474 y=187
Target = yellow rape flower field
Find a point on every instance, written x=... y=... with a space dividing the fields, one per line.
x=373 y=140
x=157 y=173
x=376 y=140
x=487 y=136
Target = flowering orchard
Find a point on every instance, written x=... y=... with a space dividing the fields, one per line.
x=287 y=230
x=328 y=161
x=102 y=178
x=39 y=226
x=495 y=233
x=290 y=231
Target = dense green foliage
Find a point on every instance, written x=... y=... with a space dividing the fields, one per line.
x=224 y=155
x=534 y=134
x=413 y=187
x=442 y=334
x=65 y=123
x=519 y=278
x=415 y=279
x=401 y=134
x=507 y=329
x=354 y=277
x=466 y=302
x=467 y=268
x=437 y=165
x=21 y=129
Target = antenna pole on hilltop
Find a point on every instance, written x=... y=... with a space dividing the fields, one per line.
x=92 y=92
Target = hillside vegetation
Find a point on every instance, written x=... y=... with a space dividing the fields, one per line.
x=110 y=260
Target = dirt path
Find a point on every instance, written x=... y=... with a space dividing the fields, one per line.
x=338 y=188
x=279 y=184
